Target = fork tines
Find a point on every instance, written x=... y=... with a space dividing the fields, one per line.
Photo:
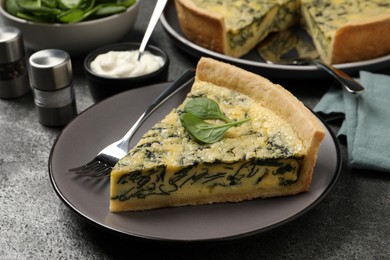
x=94 y=168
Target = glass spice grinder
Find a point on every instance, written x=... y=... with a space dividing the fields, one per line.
x=14 y=81
x=52 y=81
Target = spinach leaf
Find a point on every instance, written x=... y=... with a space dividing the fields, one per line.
x=198 y=109
x=65 y=11
x=205 y=108
x=71 y=16
x=12 y=7
x=69 y=4
x=111 y=9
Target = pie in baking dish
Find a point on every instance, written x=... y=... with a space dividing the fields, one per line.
x=342 y=30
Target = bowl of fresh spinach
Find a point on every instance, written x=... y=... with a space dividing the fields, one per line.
x=76 y=26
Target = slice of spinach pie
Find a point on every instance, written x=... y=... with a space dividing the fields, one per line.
x=342 y=30
x=236 y=137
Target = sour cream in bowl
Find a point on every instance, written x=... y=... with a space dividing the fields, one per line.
x=123 y=64
x=116 y=68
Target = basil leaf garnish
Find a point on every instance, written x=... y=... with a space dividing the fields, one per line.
x=205 y=108
x=198 y=109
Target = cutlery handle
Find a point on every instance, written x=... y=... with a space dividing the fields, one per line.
x=181 y=82
x=349 y=83
x=158 y=9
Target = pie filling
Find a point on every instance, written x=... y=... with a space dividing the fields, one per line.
x=205 y=178
x=168 y=167
x=248 y=23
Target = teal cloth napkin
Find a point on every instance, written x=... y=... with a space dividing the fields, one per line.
x=367 y=120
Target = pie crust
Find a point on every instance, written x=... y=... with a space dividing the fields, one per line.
x=273 y=96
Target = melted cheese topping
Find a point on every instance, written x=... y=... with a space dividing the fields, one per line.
x=167 y=165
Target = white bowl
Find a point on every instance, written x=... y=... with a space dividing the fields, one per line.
x=76 y=39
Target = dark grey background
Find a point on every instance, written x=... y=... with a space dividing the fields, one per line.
x=352 y=222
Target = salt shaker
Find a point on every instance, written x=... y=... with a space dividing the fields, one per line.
x=14 y=81
x=52 y=81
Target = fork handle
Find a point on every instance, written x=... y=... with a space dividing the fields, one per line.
x=349 y=83
x=181 y=82
x=158 y=9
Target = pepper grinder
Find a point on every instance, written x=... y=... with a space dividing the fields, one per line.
x=14 y=81
x=52 y=81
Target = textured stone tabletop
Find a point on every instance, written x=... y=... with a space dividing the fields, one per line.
x=352 y=222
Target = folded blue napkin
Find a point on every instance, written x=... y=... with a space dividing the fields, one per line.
x=367 y=120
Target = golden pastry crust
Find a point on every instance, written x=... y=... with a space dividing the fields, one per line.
x=362 y=40
x=277 y=99
x=202 y=27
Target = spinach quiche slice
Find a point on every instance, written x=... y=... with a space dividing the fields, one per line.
x=342 y=30
x=272 y=153
x=234 y=27
x=347 y=31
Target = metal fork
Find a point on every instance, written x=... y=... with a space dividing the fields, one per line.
x=344 y=79
x=292 y=47
x=102 y=164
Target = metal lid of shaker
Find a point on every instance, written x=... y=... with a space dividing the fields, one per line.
x=11 y=45
x=50 y=69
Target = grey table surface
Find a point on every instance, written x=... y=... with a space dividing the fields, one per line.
x=352 y=222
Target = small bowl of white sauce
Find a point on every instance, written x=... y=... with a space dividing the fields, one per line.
x=116 y=68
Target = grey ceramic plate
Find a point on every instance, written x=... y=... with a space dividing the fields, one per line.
x=252 y=60
x=107 y=121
